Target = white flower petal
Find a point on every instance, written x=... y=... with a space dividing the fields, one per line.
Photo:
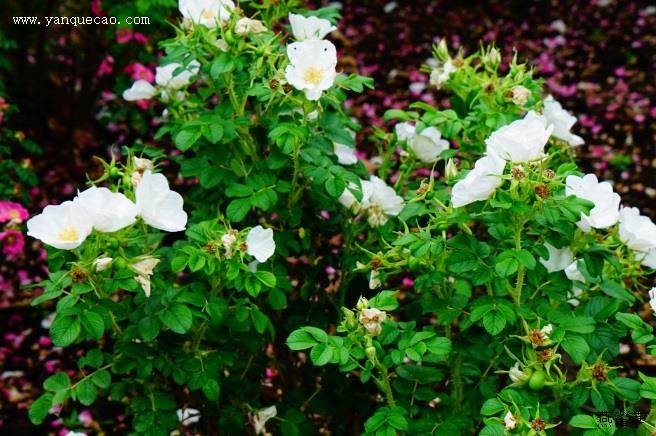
x=309 y=28
x=522 y=140
x=109 y=211
x=140 y=90
x=64 y=226
x=260 y=243
x=158 y=206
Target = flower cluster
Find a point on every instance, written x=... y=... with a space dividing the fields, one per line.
x=11 y=237
x=67 y=225
x=377 y=198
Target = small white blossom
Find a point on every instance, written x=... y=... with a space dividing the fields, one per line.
x=188 y=416
x=374 y=281
x=480 y=183
x=140 y=90
x=228 y=240
x=345 y=154
x=517 y=375
x=509 y=421
x=371 y=319
x=440 y=75
x=652 y=299
x=158 y=206
x=109 y=211
x=248 y=26
x=427 y=145
x=562 y=122
x=146 y=265
x=308 y=28
x=383 y=202
x=260 y=243
x=559 y=258
x=144 y=281
x=64 y=226
x=546 y=331
x=522 y=140
x=605 y=212
x=208 y=13
x=102 y=263
x=312 y=67
x=260 y=418
x=637 y=231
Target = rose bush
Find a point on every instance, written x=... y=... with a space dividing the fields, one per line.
x=477 y=278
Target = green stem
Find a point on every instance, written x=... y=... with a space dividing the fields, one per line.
x=384 y=384
x=457 y=383
x=520 y=269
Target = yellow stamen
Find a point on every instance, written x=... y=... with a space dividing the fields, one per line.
x=313 y=75
x=68 y=234
x=13 y=214
x=207 y=14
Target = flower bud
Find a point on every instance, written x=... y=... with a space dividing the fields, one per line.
x=102 y=263
x=442 y=51
x=492 y=58
x=371 y=319
x=371 y=353
x=247 y=26
x=520 y=95
x=517 y=375
x=363 y=303
x=451 y=170
x=510 y=421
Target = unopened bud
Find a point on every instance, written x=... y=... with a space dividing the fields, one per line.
x=102 y=263
x=520 y=95
x=442 y=51
x=371 y=353
x=451 y=170
x=492 y=58
x=362 y=304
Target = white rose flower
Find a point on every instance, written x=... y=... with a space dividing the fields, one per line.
x=522 y=140
x=248 y=26
x=371 y=319
x=260 y=418
x=428 y=144
x=605 y=213
x=260 y=243
x=102 y=263
x=309 y=28
x=517 y=375
x=649 y=259
x=572 y=272
x=559 y=258
x=146 y=265
x=405 y=131
x=637 y=231
x=480 y=183
x=383 y=202
x=228 y=240
x=109 y=211
x=509 y=421
x=158 y=206
x=312 y=67
x=562 y=121
x=440 y=75
x=348 y=200
x=64 y=226
x=164 y=76
x=652 y=299
x=144 y=281
x=345 y=154
x=140 y=90
x=206 y=12
x=188 y=416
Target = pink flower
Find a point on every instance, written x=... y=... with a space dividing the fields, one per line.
x=124 y=35
x=140 y=38
x=139 y=72
x=13 y=212
x=13 y=242
x=106 y=66
x=96 y=8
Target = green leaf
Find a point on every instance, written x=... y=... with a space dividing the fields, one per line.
x=494 y=322
x=196 y=262
x=583 y=421
x=576 y=347
x=321 y=354
x=177 y=317
x=300 y=340
x=267 y=278
x=149 y=328
x=616 y=290
x=102 y=379
x=581 y=324
x=493 y=429
x=277 y=299
x=40 y=408
x=64 y=330
x=506 y=264
x=628 y=389
x=179 y=263
x=237 y=209
x=420 y=374
x=492 y=406
x=86 y=392
x=648 y=387
x=385 y=300
x=211 y=389
x=238 y=190
x=260 y=320
x=186 y=138
x=93 y=323
x=216 y=309
x=57 y=382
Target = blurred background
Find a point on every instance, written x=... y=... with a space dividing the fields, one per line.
x=60 y=105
